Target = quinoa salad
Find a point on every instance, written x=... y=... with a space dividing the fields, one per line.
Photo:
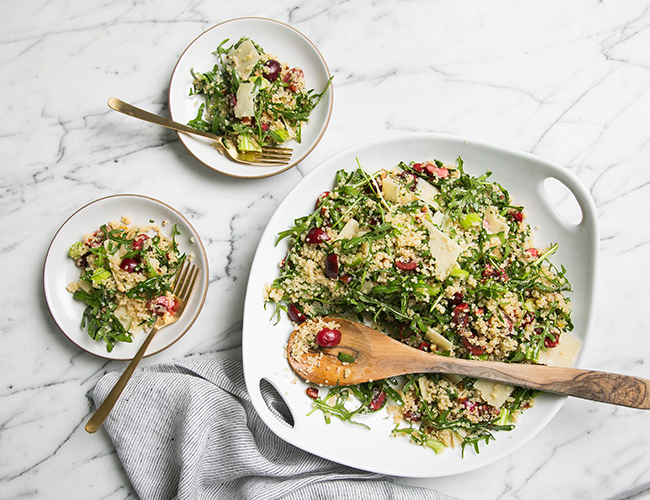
x=252 y=98
x=442 y=261
x=126 y=278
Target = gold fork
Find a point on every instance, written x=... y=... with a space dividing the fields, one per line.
x=182 y=288
x=273 y=156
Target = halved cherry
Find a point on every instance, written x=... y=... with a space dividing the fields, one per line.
x=161 y=305
x=295 y=314
x=139 y=240
x=129 y=265
x=409 y=265
x=474 y=349
x=316 y=235
x=332 y=266
x=328 y=337
x=552 y=340
x=441 y=172
x=378 y=398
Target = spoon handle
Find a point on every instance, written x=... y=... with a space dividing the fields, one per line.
x=605 y=387
x=141 y=114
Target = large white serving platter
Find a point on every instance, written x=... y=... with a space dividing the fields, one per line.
x=59 y=270
x=524 y=176
x=276 y=38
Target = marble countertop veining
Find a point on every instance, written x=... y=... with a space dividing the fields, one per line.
x=568 y=81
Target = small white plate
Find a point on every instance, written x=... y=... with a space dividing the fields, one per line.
x=290 y=46
x=524 y=176
x=60 y=270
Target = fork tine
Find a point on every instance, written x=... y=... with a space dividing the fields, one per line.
x=276 y=149
x=263 y=156
x=185 y=280
x=255 y=158
x=275 y=154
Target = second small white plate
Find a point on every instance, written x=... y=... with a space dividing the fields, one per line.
x=60 y=270
x=277 y=38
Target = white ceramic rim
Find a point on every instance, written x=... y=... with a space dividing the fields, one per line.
x=179 y=92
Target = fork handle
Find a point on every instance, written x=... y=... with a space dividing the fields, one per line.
x=105 y=408
x=141 y=114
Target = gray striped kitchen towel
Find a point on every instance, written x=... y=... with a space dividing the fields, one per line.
x=189 y=431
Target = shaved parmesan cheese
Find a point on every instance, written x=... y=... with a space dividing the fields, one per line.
x=424 y=388
x=438 y=218
x=495 y=222
x=244 y=57
x=564 y=354
x=244 y=106
x=427 y=193
x=445 y=251
x=390 y=189
x=350 y=230
x=439 y=340
x=494 y=393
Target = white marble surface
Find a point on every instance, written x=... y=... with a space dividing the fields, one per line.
x=569 y=81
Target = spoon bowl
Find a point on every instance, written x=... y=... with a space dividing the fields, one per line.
x=366 y=355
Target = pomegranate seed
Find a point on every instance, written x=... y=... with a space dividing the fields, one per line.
x=378 y=399
x=517 y=215
x=328 y=337
x=129 y=264
x=312 y=392
x=406 y=266
x=295 y=315
x=265 y=127
x=139 y=240
x=346 y=278
x=474 y=349
x=332 y=266
x=418 y=167
x=316 y=235
x=161 y=305
x=272 y=70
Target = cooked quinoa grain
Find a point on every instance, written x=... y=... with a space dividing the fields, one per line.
x=443 y=262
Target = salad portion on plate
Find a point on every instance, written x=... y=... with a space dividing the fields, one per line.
x=251 y=98
x=444 y=262
x=126 y=278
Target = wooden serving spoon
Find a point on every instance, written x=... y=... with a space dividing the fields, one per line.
x=377 y=356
